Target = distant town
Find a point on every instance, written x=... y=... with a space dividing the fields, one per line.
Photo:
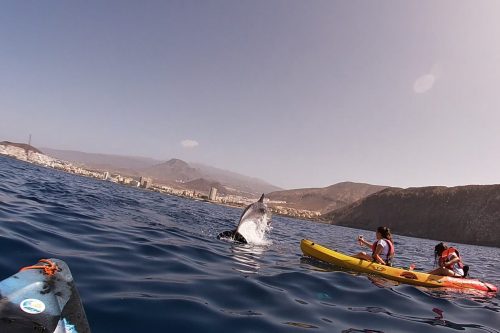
x=27 y=153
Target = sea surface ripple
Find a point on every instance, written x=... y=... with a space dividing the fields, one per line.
x=147 y=262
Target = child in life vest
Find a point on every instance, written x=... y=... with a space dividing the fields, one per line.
x=382 y=248
x=448 y=261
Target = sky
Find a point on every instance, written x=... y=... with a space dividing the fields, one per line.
x=298 y=93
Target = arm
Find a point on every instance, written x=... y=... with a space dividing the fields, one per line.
x=376 y=255
x=362 y=241
x=454 y=259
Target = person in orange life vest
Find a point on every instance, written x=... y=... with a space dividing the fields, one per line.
x=449 y=261
x=382 y=248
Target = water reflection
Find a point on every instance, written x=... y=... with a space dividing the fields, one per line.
x=436 y=320
x=247 y=257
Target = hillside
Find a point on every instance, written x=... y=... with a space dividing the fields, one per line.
x=172 y=172
x=103 y=161
x=464 y=214
x=21 y=145
x=242 y=183
x=325 y=199
x=203 y=186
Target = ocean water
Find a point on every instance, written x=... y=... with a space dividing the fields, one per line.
x=147 y=262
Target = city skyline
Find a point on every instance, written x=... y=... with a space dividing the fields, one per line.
x=296 y=93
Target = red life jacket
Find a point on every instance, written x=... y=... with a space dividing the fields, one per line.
x=444 y=257
x=390 y=254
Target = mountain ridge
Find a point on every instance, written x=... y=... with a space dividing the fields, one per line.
x=167 y=172
x=327 y=198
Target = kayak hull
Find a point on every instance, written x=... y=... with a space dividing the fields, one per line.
x=322 y=253
x=32 y=301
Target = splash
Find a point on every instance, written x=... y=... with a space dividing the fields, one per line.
x=254 y=230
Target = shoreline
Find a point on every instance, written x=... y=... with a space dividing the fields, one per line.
x=48 y=162
x=241 y=206
x=51 y=163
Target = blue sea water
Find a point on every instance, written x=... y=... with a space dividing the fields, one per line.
x=147 y=262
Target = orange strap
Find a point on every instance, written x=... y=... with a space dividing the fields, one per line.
x=50 y=267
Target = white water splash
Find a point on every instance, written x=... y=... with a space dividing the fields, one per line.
x=254 y=230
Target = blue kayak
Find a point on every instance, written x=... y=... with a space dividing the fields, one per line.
x=42 y=298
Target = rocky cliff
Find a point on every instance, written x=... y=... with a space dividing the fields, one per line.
x=464 y=214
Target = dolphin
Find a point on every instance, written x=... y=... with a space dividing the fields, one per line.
x=256 y=212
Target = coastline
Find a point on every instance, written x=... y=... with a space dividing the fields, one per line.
x=32 y=157
x=192 y=195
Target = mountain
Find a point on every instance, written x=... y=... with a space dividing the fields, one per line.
x=21 y=145
x=172 y=172
x=465 y=214
x=325 y=199
x=242 y=183
x=201 y=177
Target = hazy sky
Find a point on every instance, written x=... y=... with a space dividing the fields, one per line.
x=299 y=93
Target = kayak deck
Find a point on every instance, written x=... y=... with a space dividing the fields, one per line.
x=42 y=298
x=322 y=253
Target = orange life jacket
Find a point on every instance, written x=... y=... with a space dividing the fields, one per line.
x=390 y=254
x=444 y=257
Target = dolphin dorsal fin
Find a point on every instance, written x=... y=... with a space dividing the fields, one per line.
x=261 y=198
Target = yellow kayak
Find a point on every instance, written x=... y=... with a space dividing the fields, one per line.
x=312 y=249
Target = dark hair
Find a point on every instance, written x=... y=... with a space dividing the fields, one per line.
x=385 y=232
x=438 y=250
